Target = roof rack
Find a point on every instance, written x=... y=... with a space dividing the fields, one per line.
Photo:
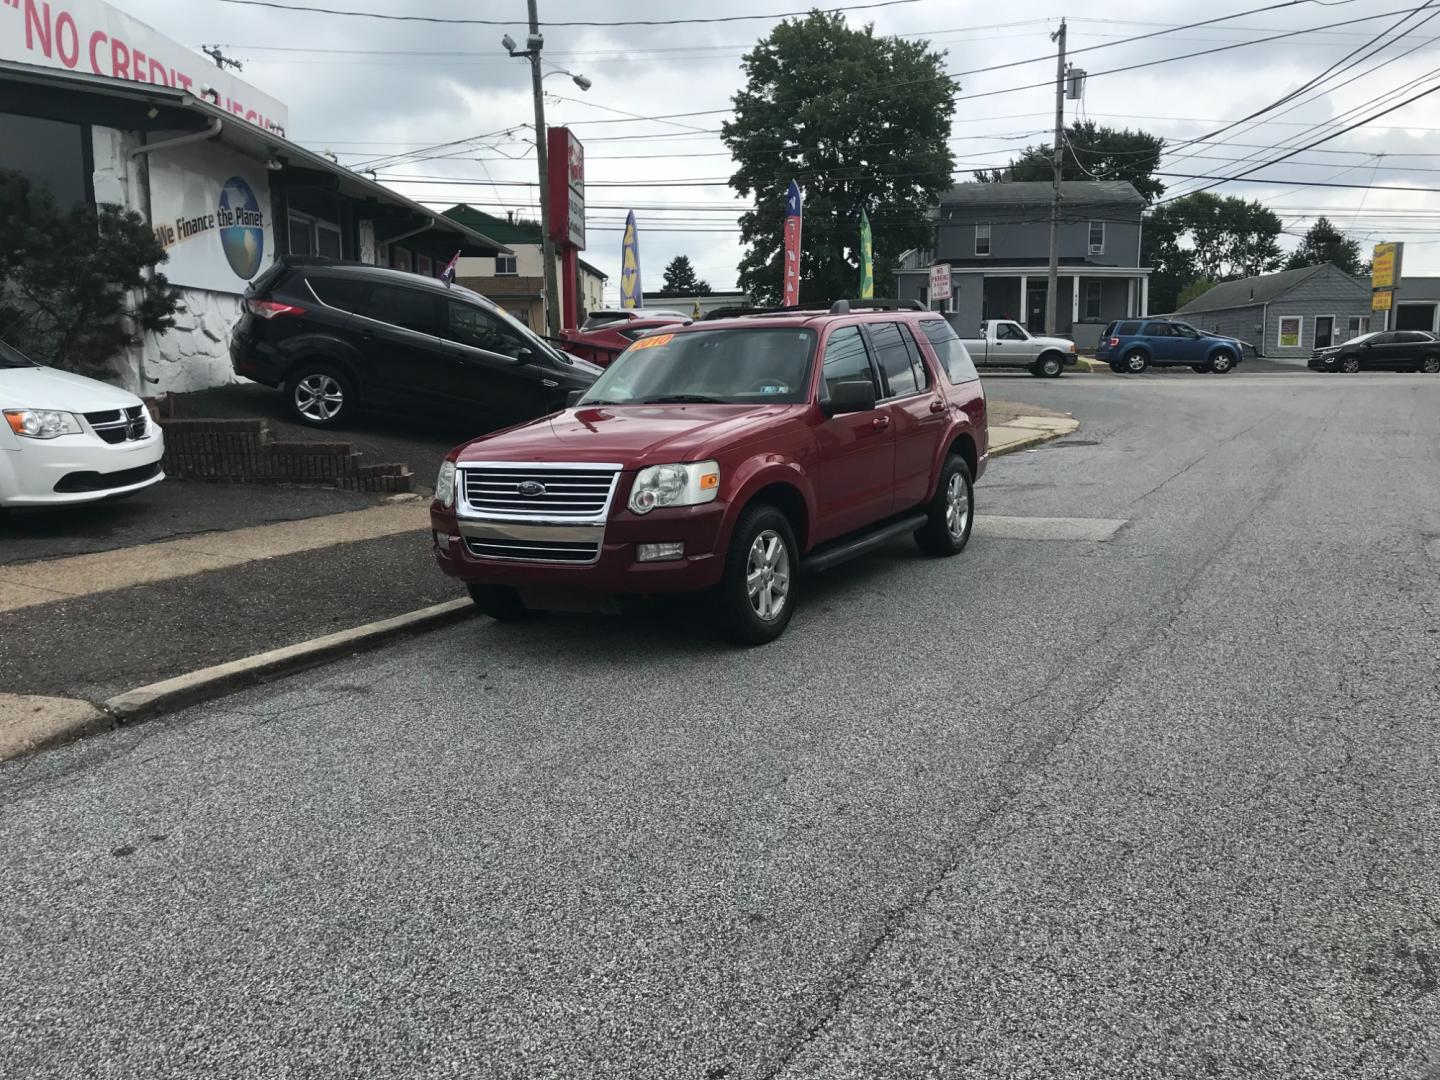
x=740 y=310
x=872 y=303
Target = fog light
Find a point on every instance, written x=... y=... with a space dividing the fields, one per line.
x=660 y=552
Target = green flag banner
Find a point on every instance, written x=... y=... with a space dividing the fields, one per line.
x=867 y=259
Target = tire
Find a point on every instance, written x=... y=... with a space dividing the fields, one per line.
x=1350 y=364
x=1430 y=365
x=763 y=543
x=500 y=602
x=1117 y=367
x=1199 y=369
x=1051 y=366
x=1136 y=362
x=943 y=534
x=1222 y=363
x=319 y=395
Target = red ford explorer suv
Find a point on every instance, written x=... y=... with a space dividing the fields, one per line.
x=727 y=456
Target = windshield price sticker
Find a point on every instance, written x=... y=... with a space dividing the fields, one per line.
x=651 y=342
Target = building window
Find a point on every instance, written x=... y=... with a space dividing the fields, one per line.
x=505 y=265
x=50 y=154
x=1093 y=294
x=311 y=236
x=424 y=265
x=982 y=239
x=1357 y=325
x=1291 y=328
x=1097 y=238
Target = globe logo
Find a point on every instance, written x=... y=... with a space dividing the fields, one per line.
x=242 y=229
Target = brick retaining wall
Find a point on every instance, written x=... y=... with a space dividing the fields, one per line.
x=244 y=451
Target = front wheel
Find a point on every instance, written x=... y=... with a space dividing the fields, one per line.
x=952 y=511
x=1050 y=366
x=1136 y=362
x=757 y=594
x=1350 y=365
x=1221 y=363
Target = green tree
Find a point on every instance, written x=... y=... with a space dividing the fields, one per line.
x=1092 y=152
x=1324 y=243
x=858 y=121
x=1204 y=235
x=680 y=279
x=1198 y=287
x=77 y=285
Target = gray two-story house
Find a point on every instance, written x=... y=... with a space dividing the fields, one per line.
x=996 y=240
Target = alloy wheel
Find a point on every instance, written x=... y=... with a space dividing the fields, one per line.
x=1431 y=365
x=1221 y=364
x=767 y=575
x=1135 y=362
x=1350 y=364
x=957 y=506
x=319 y=397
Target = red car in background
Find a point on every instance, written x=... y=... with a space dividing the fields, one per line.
x=604 y=343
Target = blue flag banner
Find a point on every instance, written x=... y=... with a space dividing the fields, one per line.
x=630 y=292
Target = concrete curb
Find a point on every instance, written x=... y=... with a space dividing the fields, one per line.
x=1030 y=442
x=166 y=696
x=1043 y=432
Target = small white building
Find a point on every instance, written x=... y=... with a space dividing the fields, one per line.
x=100 y=108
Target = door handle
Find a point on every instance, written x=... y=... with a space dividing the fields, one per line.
x=549 y=384
x=937 y=406
x=880 y=423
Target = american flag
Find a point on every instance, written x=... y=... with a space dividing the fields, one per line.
x=794 y=205
x=448 y=274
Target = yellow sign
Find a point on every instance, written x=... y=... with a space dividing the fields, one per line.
x=651 y=342
x=1382 y=271
x=1381 y=299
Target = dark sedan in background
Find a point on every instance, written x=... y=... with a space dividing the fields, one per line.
x=1383 y=350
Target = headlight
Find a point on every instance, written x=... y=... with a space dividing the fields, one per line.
x=445 y=484
x=42 y=423
x=675 y=485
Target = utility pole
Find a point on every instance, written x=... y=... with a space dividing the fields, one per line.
x=1054 y=281
x=221 y=60
x=542 y=158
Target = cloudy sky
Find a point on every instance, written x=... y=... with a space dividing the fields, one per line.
x=370 y=90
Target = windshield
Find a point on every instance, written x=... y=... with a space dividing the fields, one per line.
x=11 y=357
x=732 y=367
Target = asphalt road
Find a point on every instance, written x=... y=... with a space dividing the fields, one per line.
x=1162 y=806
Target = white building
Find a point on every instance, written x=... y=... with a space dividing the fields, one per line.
x=100 y=108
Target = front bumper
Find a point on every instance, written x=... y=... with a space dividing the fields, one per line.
x=1071 y=359
x=84 y=467
x=614 y=571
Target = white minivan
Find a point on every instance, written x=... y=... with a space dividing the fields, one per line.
x=68 y=439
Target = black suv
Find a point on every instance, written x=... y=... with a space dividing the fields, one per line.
x=1394 y=350
x=339 y=337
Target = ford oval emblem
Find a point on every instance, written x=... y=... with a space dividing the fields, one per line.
x=531 y=488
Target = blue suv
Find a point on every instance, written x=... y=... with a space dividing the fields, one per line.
x=1131 y=345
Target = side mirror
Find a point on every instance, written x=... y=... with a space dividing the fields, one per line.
x=855 y=395
x=573 y=398
x=523 y=355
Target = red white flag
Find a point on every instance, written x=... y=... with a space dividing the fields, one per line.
x=790 y=292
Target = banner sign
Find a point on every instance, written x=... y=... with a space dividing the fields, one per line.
x=566 y=182
x=867 y=258
x=939 y=282
x=92 y=37
x=211 y=211
x=630 y=292
x=1380 y=299
x=790 y=285
x=1384 y=266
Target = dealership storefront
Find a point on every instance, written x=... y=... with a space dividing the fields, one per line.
x=203 y=158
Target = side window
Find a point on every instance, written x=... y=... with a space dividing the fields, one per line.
x=893 y=358
x=476 y=327
x=954 y=357
x=410 y=308
x=917 y=358
x=1127 y=329
x=347 y=294
x=1008 y=332
x=846 y=360
x=1157 y=329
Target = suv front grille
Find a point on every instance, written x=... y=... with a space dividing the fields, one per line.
x=554 y=493
x=563 y=551
x=119 y=425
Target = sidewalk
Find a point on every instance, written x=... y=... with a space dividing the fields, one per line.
x=165 y=600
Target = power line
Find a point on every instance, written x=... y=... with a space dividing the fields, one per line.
x=594 y=22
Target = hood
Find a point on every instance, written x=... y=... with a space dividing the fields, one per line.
x=632 y=435
x=51 y=388
x=1057 y=342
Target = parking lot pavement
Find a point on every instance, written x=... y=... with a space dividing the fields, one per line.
x=1153 y=801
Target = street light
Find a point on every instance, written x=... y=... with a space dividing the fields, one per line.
x=534 y=43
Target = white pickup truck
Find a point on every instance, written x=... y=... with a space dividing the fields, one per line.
x=1007 y=344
